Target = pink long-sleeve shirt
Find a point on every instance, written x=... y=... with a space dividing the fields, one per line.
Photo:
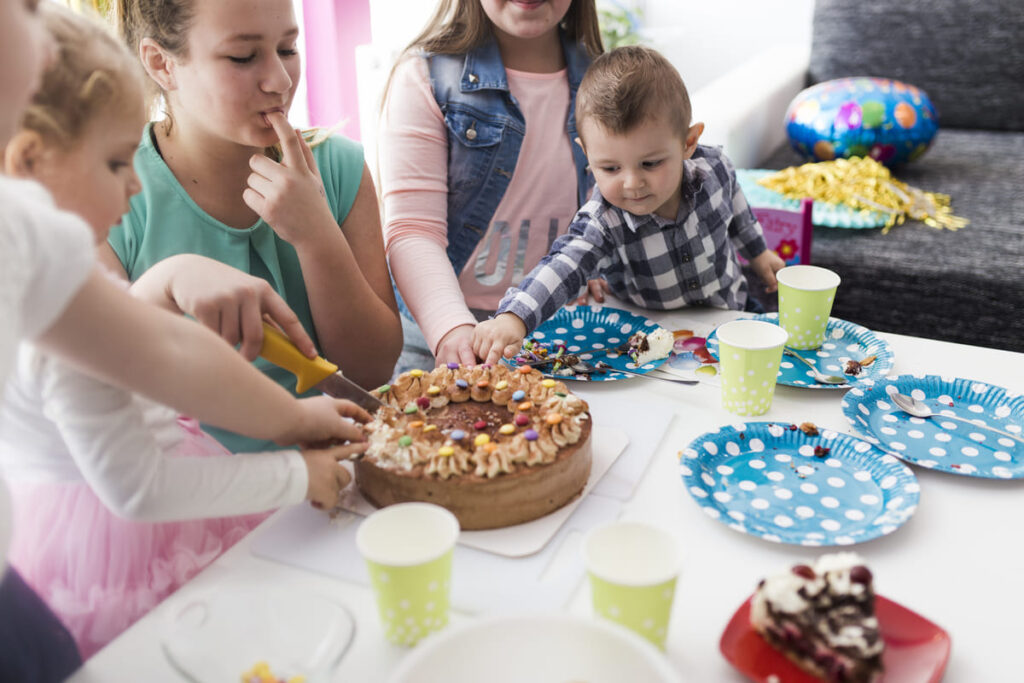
x=538 y=205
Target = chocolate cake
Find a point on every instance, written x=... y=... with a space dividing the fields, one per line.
x=823 y=618
x=494 y=446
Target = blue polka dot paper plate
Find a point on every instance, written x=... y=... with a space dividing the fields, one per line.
x=773 y=481
x=843 y=341
x=944 y=445
x=822 y=213
x=586 y=328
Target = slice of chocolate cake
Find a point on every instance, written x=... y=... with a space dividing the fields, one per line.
x=823 y=618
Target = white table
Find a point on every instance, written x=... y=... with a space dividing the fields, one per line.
x=958 y=562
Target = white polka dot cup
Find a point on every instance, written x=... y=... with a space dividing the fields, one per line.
x=408 y=551
x=633 y=569
x=749 y=352
x=806 y=294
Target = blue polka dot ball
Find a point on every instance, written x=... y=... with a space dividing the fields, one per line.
x=887 y=120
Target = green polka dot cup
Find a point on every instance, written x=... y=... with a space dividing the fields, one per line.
x=749 y=352
x=408 y=551
x=633 y=569
x=806 y=294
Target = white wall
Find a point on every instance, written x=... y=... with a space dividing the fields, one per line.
x=706 y=39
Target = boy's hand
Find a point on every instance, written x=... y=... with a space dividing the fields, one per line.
x=457 y=346
x=324 y=419
x=289 y=195
x=597 y=288
x=766 y=264
x=501 y=336
x=327 y=478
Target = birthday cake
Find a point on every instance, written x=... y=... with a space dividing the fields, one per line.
x=495 y=446
x=822 y=617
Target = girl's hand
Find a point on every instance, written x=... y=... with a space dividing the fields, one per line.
x=289 y=195
x=224 y=299
x=765 y=265
x=324 y=419
x=327 y=478
x=457 y=346
x=597 y=288
x=501 y=336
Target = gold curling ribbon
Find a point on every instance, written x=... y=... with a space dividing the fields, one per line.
x=863 y=183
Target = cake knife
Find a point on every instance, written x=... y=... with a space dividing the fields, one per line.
x=314 y=373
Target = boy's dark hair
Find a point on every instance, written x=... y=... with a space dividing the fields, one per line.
x=630 y=85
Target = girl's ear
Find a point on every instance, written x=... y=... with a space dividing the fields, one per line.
x=158 y=63
x=23 y=155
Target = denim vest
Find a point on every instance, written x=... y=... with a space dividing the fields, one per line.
x=485 y=133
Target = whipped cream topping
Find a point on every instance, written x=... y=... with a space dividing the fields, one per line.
x=834 y=594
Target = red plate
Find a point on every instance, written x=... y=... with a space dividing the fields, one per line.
x=916 y=650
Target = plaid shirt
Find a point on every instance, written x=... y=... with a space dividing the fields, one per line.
x=649 y=260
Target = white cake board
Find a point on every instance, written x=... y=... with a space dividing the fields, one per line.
x=311 y=527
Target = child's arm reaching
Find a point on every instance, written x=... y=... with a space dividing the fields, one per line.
x=224 y=299
x=503 y=335
x=107 y=333
x=129 y=451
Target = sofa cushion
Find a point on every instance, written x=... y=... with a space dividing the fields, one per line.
x=968 y=55
x=965 y=286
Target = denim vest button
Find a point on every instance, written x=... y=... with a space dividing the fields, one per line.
x=471 y=133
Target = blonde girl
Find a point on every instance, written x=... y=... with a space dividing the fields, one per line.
x=480 y=171
x=306 y=221
x=116 y=500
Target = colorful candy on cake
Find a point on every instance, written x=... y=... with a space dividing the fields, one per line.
x=496 y=446
x=822 y=617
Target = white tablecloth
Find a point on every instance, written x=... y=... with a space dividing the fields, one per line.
x=958 y=562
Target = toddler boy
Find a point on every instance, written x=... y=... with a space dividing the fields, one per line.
x=665 y=220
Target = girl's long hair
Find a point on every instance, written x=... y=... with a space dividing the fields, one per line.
x=458 y=26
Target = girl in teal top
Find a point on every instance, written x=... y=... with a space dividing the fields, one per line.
x=307 y=223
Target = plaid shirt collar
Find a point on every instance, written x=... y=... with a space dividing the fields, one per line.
x=692 y=183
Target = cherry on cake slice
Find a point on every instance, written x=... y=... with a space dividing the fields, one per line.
x=822 y=617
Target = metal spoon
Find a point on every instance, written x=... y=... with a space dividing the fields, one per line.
x=605 y=366
x=818 y=375
x=912 y=406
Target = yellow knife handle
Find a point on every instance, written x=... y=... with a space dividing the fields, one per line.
x=279 y=350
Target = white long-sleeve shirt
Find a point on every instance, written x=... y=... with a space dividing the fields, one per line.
x=45 y=257
x=57 y=424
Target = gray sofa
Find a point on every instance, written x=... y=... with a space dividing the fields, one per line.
x=968 y=55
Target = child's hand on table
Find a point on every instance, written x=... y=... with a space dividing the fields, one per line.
x=503 y=335
x=597 y=288
x=765 y=265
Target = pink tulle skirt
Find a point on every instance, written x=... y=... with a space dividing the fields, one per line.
x=100 y=573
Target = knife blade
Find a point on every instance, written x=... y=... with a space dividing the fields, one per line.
x=314 y=373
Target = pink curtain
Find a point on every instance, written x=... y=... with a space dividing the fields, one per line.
x=333 y=28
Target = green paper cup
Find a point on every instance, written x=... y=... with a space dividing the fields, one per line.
x=806 y=294
x=749 y=352
x=408 y=551
x=633 y=569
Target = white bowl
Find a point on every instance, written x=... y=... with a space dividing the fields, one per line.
x=548 y=648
